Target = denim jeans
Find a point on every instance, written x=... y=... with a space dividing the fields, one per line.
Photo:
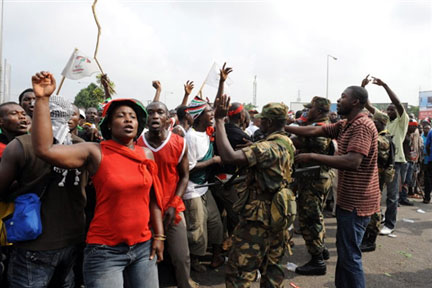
x=349 y=235
x=114 y=266
x=42 y=268
x=408 y=170
x=393 y=195
x=427 y=180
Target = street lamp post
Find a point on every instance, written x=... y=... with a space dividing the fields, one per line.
x=334 y=58
x=1 y=54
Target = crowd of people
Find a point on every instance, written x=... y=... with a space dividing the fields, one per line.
x=123 y=187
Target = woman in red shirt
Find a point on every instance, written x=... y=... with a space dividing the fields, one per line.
x=120 y=245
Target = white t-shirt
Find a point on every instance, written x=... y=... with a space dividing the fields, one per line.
x=251 y=129
x=198 y=144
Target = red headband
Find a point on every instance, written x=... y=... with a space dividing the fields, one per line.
x=236 y=111
x=413 y=123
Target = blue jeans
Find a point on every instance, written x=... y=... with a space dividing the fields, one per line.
x=393 y=195
x=408 y=170
x=39 y=269
x=349 y=235
x=113 y=266
x=427 y=180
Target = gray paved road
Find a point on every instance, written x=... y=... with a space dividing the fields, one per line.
x=404 y=261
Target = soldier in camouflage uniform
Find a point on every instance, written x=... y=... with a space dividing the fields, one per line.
x=313 y=190
x=266 y=205
x=386 y=174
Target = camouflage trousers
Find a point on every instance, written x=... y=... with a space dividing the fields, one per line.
x=373 y=227
x=255 y=247
x=310 y=205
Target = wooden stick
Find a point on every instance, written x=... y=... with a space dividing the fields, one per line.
x=98 y=36
x=60 y=86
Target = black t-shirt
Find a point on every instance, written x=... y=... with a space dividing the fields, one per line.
x=235 y=137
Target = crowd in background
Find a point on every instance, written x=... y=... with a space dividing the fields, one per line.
x=129 y=184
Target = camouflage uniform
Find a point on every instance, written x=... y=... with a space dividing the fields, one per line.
x=373 y=227
x=257 y=243
x=313 y=189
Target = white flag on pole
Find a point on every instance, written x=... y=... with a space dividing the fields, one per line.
x=80 y=66
x=214 y=75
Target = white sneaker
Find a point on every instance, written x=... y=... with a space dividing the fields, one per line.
x=386 y=231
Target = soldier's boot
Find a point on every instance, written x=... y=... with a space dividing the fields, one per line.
x=326 y=253
x=316 y=266
x=368 y=243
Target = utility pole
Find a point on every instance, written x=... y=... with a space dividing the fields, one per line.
x=2 y=98
x=254 y=99
x=298 y=96
x=7 y=81
x=334 y=58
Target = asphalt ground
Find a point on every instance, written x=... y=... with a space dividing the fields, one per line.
x=401 y=261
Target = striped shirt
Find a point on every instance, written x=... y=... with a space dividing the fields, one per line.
x=358 y=189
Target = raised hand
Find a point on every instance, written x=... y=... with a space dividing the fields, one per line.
x=157 y=85
x=221 y=105
x=44 y=84
x=365 y=81
x=188 y=87
x=224 y=72
x=378 y=81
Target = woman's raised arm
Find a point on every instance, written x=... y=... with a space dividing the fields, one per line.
x=65 y=156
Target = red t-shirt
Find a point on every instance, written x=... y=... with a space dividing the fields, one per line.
x=122 y=184
x=358 y=189
x=167 y=157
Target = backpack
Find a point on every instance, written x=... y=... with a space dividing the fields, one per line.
x=283 y=207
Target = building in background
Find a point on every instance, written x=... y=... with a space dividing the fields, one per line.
x=425 y=104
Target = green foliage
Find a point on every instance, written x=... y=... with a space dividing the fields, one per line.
x=90 y=96
x=414 y=110
x=105 y=82
x=249 y=106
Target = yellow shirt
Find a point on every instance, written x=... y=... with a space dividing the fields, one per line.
x=398 y=129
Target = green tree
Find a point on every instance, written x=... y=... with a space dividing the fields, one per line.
x=90 y=96
x=414 y=110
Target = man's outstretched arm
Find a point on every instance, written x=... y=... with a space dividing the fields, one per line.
x=394 y=99
x=350 y=161
x=308 y=131
x=368 y=105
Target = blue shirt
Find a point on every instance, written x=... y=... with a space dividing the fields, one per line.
x=428 y=142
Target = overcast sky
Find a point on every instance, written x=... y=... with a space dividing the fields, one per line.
x=284 y=43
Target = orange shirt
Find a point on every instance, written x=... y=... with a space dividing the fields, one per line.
x=167 y=157
x=123 y=182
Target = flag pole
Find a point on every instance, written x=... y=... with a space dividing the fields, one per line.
x=63 y=78
x=60 y=86
x=98 y=35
